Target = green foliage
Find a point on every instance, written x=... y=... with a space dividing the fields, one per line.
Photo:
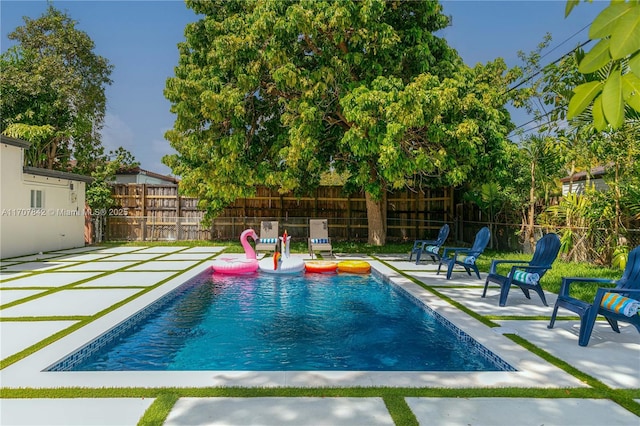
x=280 y=92
x=620 y=257
x=99 y=192
x=570 y=214
x=53 y=91
x=616 y=58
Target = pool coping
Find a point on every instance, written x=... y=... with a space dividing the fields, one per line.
x=533 y=371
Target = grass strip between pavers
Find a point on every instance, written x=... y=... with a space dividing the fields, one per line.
x=430 y=289
x=399 y=410
x=394 y=398
x=159 y=410
x=621 y=397
x=4 y=363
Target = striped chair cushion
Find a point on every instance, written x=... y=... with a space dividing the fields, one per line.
x=531 y=278
x=432 y=249
x=620 y=304
x=467 y=260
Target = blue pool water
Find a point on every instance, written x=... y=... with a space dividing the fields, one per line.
x=273 y=322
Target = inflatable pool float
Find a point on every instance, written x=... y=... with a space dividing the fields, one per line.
x=281 y=262
x=354 y=266
x=238 y=266
x=320 y=266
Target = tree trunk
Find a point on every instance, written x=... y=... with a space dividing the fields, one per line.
x=618 y=210
x=532 y=208
x=377 y=220
x=571 y=173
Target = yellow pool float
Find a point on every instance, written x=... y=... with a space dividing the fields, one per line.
x=354 y=266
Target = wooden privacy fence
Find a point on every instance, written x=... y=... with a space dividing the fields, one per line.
x=157 y=212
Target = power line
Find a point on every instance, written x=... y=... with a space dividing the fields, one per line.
x=535 y=120
x=550 y=51
x=566 y=40
x=540 y=71
x=550 y=63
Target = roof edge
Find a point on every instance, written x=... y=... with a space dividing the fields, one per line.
x=14 y=142
x=56 y=174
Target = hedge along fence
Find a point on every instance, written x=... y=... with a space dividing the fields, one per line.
x=158 y=212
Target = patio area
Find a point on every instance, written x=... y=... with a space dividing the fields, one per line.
x=53 y=303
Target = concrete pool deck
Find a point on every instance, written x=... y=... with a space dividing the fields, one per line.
x=41 y=295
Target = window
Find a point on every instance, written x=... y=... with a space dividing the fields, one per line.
x=37 y=199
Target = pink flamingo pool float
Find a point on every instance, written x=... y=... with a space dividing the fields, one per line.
x=236 y=266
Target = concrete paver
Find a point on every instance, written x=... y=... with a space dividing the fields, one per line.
x=517 y=303
x=613 y=358
x=50 y=279
x=104 y=266
x=79 y=249
x=119 y=279
x=119 y=249
x=19 y=335
x=9 y=275
x=84 y=257
x=73 y=412
x=36 y=266
x=9 y=296
x=68 y=303
x=158 y=265
x=161 y=249
x=211 y=249
x=135 y=257
x=279 y=412
x=33 y=257
x=186 y=256
x=519 y=411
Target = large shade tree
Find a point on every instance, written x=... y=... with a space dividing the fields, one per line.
x=53 y=92
x=278 y=92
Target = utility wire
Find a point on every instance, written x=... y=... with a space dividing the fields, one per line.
x=535 y=120
x=557 y=60
x=550 y=63
x=539 y=71
x=566 y=40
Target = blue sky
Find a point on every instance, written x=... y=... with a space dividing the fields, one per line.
x=140 y=39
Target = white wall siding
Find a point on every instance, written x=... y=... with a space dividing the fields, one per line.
x=59 y=224
x=578 y=187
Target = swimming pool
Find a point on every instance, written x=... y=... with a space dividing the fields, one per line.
x=285 y=323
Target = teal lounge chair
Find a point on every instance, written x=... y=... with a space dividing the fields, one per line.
x=465 y=257
x=627 y=286
x=523 y=274
x=430 y=247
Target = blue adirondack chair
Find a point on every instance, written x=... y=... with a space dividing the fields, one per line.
x=430 y=247
x=628 y=285
x=465 y=257
x=523 y=274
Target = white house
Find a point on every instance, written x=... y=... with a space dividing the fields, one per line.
x=576 y=184
x=137 y=175
x=41 y=210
